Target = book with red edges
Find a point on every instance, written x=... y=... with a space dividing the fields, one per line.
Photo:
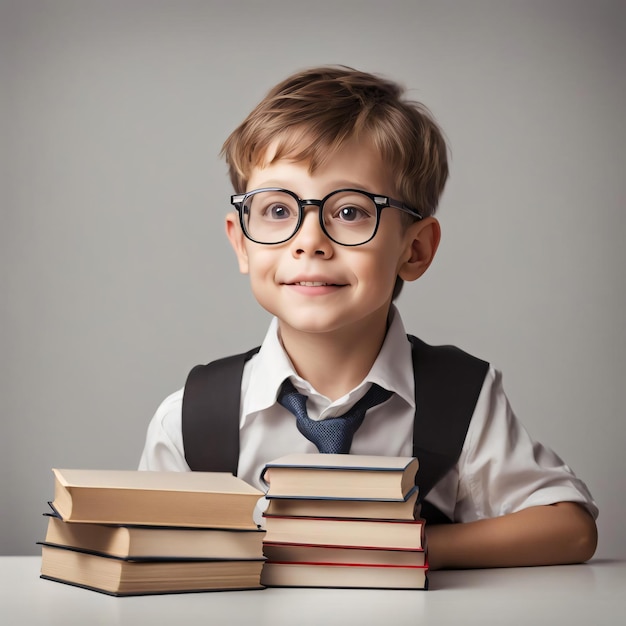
x=346 y=555
x=388 y=534
x=281 y=574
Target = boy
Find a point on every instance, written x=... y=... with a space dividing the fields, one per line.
x=337 y=178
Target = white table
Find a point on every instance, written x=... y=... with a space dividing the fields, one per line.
x=592 y=594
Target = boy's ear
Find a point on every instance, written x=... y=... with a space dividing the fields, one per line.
x=237 y=241
x=422 y=242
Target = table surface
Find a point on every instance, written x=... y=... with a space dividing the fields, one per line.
x=589 y=594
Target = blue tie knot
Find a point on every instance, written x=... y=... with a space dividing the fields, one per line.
x=334 y=434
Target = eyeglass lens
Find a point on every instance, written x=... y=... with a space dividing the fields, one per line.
x=348 y=217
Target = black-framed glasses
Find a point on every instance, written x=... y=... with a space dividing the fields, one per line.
x=349 y=217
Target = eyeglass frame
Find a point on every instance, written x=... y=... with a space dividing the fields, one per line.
x=380 y=202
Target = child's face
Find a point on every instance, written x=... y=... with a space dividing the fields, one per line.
x=309 y=282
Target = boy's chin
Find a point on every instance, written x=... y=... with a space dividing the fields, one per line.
x=329 y=325
x=307 y=326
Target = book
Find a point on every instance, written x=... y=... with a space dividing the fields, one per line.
x=345 y=476
x=156 y=542
x=204 y=499
x=364 y=533
x=364 y=509
x=121 y=577
x=344 y=576
x=311 y=553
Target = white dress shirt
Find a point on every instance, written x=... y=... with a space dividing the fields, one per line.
x=500 y=469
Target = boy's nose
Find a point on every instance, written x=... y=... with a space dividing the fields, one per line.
x=310 y=238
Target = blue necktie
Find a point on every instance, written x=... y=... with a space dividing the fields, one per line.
x=333 y=434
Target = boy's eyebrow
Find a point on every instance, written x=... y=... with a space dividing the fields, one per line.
x=337 y=184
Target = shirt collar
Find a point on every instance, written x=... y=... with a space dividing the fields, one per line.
x=393 y=368
x=268 y=370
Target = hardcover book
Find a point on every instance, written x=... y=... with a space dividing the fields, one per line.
x=121 y=577
x=344 y=576
x=203 y=499
x=364 y=509
x=364 y=533
x=311 y=553
x=344 y=476
x=156 y=542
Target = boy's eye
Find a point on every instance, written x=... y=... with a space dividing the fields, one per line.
x=350 y=214
x=349 y=208
x=277 y=211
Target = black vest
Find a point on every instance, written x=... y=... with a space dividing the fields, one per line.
x=447 y=385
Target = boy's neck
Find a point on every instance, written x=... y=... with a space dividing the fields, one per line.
x=334 y=363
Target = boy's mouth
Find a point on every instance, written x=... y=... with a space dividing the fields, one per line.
x=310 y=283
x=314 y=286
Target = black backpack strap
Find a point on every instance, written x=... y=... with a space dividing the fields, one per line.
x=210 y=415
x=448 y=382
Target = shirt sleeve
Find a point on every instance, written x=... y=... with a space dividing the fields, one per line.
x=502 y=469
x=163 y=450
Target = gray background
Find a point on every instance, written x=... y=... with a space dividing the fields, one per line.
x=116 y=276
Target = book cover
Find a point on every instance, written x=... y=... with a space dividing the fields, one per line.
x=345 y=476
x=121 y=577
x=311 y=553
x=204 y=499
x=156 y=542
x=337 y=507
x=276 y=574
x=365 y=533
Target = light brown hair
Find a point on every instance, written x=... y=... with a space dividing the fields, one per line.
x=312 y=113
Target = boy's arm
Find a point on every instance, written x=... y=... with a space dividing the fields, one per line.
x=501 y=469
x=541 y=535
x=163 y=448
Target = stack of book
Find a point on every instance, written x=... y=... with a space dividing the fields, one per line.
x=135 y=533
x=343 y=520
